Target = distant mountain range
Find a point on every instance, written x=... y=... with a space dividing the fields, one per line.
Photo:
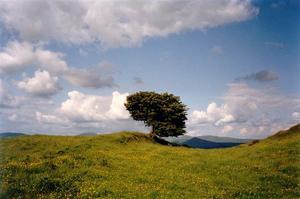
x=207 y=142
x=10 y=134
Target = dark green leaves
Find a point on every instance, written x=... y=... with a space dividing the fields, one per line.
x=164 y=112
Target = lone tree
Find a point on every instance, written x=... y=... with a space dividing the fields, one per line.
x=165 y=113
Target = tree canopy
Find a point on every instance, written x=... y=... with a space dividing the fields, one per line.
x=164 y=112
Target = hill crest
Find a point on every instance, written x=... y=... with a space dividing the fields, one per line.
x=283 y=133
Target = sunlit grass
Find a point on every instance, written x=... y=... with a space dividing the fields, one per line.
x=130 y=165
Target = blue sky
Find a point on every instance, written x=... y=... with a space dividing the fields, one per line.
x=69 y=68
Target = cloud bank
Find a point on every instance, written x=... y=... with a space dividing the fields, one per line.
x=245 y=112
x=17 y=56
x=91 y=108
x=80 y=112
x=41 y=85
x=117 y=23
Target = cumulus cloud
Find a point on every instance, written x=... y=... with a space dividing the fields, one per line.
x=41 y=85
x=118 y=23
x=52 y=61
x=227 y=129
x=296 y=116
x=252 y=112
x=16 y=56
x=78 y=113
x=213 y=114
x=242 y=94
x=261 y=76
x=117 y=109
x=243 y=131
x=92 y=108
x=50 y=119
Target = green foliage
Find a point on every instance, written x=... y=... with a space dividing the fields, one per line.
x=165 y=113
x=131 y=165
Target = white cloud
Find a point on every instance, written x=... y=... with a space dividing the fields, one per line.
x=52 y=61
x=242 y=94
x=16 y=56
x=76 y=114
x=92 y=108
x=243 y=131
x=296 y=116
x=41 y=85
x=118 y=23
x=81 y=107
x=257 y=129
x=227 y=128
x=13 y=117
x=50 y=119
x=117 y=108
x=255 y=112
x=213 y=114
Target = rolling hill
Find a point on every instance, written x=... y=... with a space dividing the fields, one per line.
x=207 y=142
x=204 y=144
x=10 y=134
x=131 y=165
x=218 y=139
x=87 y=134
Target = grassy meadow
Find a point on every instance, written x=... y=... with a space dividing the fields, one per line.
x=130 y=165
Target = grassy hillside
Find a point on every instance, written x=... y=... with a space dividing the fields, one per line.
x=130 y=165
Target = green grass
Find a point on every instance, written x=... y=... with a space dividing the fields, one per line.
x=130 y=165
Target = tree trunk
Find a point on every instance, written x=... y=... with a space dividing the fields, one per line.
x=160 y=140
x=152 y=133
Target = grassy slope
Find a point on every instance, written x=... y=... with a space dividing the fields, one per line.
x=131 y=166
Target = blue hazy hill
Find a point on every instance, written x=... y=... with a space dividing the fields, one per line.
x=10 y=134
x=207 y=142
